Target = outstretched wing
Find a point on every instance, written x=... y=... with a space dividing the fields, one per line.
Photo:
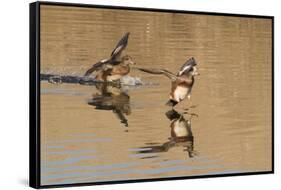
x=115 y=56
x=121 y=45
x=99 y=65
x=164 y=72
x=187 y=66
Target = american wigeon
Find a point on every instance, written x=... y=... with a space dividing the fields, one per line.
x=116 y=66
x=182 y=82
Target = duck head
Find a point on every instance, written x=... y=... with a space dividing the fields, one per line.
x=127 y=60
x=194 y=71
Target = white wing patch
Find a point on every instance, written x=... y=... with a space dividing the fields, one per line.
x=184 y=69
x=117 y=50
x=104 y=60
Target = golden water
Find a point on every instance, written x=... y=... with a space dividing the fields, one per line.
x=232 y=133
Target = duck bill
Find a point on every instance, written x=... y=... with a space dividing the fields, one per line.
x=196 y=73
x=133 y=63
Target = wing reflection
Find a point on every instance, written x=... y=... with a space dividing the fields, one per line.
x=112 y=97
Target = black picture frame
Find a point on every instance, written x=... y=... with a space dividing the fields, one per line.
x=34 y=93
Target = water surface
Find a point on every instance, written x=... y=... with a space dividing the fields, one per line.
x=87 y=136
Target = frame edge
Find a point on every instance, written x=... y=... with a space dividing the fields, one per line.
x=34 y=96
x=272 y=95
x=117 y=7
x=34 y=142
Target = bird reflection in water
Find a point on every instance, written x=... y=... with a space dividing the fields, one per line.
x=112 y=97
x=181 y=135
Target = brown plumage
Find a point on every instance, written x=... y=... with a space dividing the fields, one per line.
x=116 y=66
x=182 y=82
x=112 y=73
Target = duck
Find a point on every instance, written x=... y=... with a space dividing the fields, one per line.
x=181 y=83
x=180 y=135
x=116 y=66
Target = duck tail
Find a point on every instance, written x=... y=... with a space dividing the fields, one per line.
x=171 y=103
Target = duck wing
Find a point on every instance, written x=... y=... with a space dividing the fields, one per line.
x=113 y=60
x=187 y=66
x=121 y=45
x=103 y=64
x=164 y=72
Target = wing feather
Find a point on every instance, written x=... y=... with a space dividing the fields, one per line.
x=121 y=45
x=187 y=66
x=164 y=72
x=99 y=65
x=115 y=56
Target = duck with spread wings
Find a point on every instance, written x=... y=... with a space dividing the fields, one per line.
x=182 y=82
x=115 y=67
